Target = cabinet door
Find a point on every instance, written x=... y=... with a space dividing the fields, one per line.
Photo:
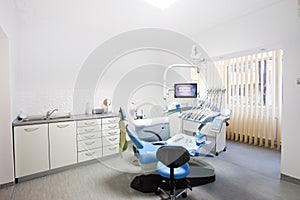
x=63 y=146
x=31 y=149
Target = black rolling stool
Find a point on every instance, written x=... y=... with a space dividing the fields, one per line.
x=173 y=165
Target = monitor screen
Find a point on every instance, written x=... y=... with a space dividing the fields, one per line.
x=185 y=90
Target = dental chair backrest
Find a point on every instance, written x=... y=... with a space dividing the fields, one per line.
x=133 y=136
x=122 y=114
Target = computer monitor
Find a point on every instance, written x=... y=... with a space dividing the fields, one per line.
x=185 y=90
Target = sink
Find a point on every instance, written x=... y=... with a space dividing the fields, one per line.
x=37 y=118
x=60 y=116
x=34 y=118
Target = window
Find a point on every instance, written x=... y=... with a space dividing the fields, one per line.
x=254 y=94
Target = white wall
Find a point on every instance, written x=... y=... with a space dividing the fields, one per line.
x=7 y=55
x=56 y=38
x=274 y=27
x=290 y=165
x=5 y=113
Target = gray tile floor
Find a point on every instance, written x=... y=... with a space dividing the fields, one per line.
x=242 y=172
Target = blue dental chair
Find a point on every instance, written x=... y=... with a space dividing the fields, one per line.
x=171 y=165
x=144 y=151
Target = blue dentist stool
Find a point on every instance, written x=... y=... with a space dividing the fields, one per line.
x=173 y=165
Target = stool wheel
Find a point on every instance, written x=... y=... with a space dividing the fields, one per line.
x=157 y=192
x=184 y=195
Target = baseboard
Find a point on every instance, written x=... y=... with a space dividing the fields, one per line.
x=54 y=171
x=5 y=185
x=252 y=139
x=289 y=179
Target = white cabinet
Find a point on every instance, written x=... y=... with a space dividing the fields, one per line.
x=41 y=147
x=110 y=135
x=63 y=144
x=31 y=149
x=89 y=142
x=97 y=138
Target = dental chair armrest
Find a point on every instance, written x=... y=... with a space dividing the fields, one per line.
x=159 y=143
x=156 y=134
x=147 y=154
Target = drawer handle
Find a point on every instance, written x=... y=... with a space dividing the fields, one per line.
x=113 y=126
x=63 y=126
x=30 y=129
x=89 y=137
x=112 y=132
x=114 y=148
x=89 y=143
x=90 y=154
x=89 y=130
x=89 y=123
x=112 y=139
x=112 y=120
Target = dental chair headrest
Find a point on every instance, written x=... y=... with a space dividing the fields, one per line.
x=122 y=113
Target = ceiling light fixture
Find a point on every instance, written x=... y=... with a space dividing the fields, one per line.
x=161 y=4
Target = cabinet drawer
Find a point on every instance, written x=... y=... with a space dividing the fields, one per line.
x=88 y=129
x=111 y=132
x=110 y=120
x=89 y=144
x=91 y=122
x=89 y=154
x=109 y=150
x=88 y=136
x=110 y=126
x=110 y=140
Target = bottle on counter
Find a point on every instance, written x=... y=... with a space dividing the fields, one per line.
x=88 y=109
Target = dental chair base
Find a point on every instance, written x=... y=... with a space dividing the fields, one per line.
x=201 y=173
x=148 y=168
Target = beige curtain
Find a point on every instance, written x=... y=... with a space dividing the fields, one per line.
x=254 y=94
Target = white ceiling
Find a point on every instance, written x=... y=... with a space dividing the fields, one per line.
x=190 y=16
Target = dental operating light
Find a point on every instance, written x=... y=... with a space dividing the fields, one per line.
x=161 y=4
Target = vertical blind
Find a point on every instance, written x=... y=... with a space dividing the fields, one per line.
x=254 y=94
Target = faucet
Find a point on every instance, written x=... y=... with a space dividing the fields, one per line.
x=50 y=112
